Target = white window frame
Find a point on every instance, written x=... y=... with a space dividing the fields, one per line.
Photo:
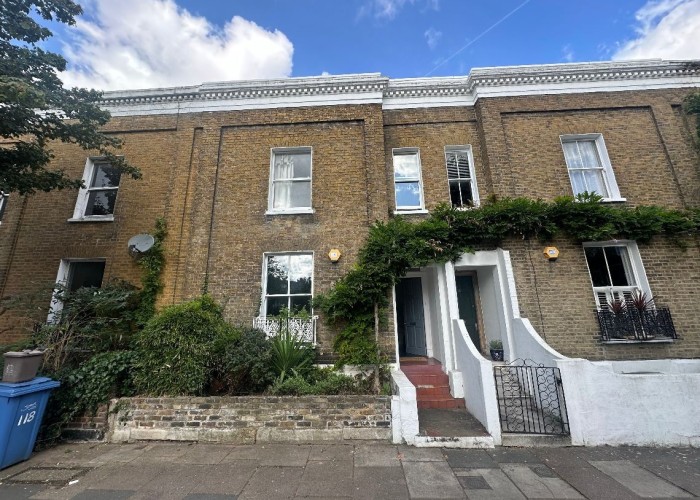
x=472 y=174
x=263 y=302
x=3 y=204
x=605 y=164
x=418 y=209
x=271 y=192
x=56 y=305
x=84 y=194
x=637 y=269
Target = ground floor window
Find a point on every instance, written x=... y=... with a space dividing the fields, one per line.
x=288 y=283
x=73 y=275
x=616 y=272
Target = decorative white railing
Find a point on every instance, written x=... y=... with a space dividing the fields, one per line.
x=303 y=328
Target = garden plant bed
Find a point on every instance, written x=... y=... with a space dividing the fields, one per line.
x=250 y=419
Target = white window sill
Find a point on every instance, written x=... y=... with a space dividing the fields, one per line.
x=411 y=211
x=651 y=341
x=93 y=218
x=613 y=200
x=291 y=211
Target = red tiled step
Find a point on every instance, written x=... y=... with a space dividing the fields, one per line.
x=428 y=391
x=438 y=402
x=432 y=386
x=428 y=379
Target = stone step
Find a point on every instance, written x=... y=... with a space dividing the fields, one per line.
x=535 y=440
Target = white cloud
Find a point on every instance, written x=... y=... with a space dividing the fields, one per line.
x=667 y=29
x=388 y=9
x=432 y=37
x=154 y=43
x=567 y=53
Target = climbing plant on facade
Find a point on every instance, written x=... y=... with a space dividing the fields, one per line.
x=395 y=246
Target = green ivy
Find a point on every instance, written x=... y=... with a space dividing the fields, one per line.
x=692 y=107
x=395 y=246
x=152 y=264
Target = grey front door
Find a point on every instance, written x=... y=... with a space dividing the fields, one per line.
x=410 y=317
x=466 y=301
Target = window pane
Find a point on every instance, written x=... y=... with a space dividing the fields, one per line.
x=300 y=271
x=101 y=202
x=85 y=274
x=571 y=154
x=577 y=181
x=596 y=264
x=302 y=302
x=282 y=194
x=594 y=180
x=106 y=176
x=455 y=194
x=620 y=267
x=275 y=305
x=589 y=154
x=406 y=166
x=300 y=194
x=302 y=165
x=292 y=165
x=407 y=194
x=277 y=274
x=3 y=203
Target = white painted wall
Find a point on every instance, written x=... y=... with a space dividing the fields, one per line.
x=478 y=382
x=404 y=409
x=607 y=406
x=527 y=344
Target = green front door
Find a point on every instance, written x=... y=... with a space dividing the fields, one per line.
x=466 y=301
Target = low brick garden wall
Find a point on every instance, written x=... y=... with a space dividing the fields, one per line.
x=89 y=427
x=250 y=419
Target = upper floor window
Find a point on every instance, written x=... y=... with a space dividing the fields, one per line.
x=99 y=196
x=290 y=181
x=408 y=186
x=616 y=272
x=287 y=283
x=589 y=166
x=3 y=203
x=460 y=175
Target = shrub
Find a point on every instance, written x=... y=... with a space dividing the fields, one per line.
x=91 y=320
x=292 y=386
x=174 y=350
x=290 y=355
x=318 y=381
x=244 y=364
x=83 y=389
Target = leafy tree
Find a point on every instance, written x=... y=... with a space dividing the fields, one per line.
x=35 y=108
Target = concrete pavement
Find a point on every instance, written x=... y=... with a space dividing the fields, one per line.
x=341 y=470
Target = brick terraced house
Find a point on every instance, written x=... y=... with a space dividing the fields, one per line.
x=259 y=180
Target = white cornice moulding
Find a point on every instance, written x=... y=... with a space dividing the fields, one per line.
x=373 y=88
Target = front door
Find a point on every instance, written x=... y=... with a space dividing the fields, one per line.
x=410 y=317
x=466 y=301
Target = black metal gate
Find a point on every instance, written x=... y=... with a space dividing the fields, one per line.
x=530 y=399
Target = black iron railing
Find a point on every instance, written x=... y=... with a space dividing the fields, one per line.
x=531 y=399
x=634 y=324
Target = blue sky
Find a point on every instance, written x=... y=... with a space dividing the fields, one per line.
x=147 y=43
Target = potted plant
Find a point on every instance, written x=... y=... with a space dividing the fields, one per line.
x=496 y=348
x=641 y=302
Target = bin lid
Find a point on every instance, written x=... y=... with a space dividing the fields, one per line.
x=37 y=384
x=23 y=354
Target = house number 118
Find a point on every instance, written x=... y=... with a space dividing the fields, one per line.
x=26 y=418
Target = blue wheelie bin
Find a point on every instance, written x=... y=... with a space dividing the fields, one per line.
x=22 y=408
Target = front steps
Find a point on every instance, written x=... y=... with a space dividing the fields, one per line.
x=432 y=386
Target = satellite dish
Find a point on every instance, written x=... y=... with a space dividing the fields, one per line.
x=140 y=244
